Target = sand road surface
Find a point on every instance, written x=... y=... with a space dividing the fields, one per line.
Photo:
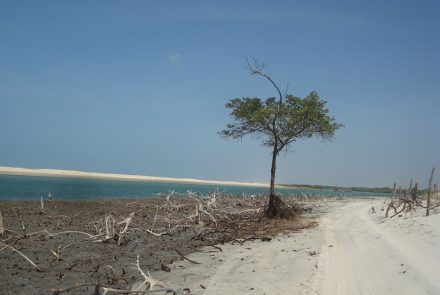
x=365 y=254
x=352 y=251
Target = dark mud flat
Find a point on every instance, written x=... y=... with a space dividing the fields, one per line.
x=161 y=232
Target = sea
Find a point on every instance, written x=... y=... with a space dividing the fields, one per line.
x=17 y=187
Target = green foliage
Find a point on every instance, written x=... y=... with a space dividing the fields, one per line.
x=280 y=122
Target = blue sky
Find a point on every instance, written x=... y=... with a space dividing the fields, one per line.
x=139 y=86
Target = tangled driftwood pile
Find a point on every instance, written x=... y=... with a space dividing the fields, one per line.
x=78 y=245
x=407 y=200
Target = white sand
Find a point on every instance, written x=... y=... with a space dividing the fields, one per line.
x=358 y=252
x=371 y=255
x=276 y=267
x=111 y=176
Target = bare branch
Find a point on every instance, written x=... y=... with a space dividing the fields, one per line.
x=149 y=283
x=126 y=221
x=258 y=69
x=186 y=258
x=22 y=255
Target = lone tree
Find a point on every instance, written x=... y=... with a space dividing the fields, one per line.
x=279 y=121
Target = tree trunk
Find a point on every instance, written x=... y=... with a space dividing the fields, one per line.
x=272 y=171
x=276 y=207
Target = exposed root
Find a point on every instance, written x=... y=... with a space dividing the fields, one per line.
x=276 y=208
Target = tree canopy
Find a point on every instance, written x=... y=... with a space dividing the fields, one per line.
x=280 y=122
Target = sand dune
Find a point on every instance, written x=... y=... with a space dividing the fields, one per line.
x=112 y=176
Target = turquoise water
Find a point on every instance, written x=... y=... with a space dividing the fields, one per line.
x=14 y=187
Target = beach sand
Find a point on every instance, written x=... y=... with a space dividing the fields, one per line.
x=113 y=176
x=353 y=249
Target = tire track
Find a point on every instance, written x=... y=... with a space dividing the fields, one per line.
x=360 y=257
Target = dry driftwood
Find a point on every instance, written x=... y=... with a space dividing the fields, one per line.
x=146 y=286
x=149 y=283
x=186 y=258
x=127 y=222
x=407 y=200
x=205 y=220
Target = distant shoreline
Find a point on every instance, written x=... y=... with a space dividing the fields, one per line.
x=379 y=190
x=114 y=176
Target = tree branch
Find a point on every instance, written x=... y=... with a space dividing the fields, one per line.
x=257 y=69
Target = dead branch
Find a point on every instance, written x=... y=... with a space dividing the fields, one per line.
x=216 y=218
x=183 y=257
x=126 y=221
x=201 y=209
x=172 y=291
x=57 y=253
x=65 y=290
x=70 y=232
x=150 y=231
x=107 y=289
x=22 y=255
x=149 y=283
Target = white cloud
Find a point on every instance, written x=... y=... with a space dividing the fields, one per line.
x=174 y=59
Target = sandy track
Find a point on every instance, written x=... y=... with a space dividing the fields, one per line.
x=361 y=255
x=357 y=252
x=254 y=268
